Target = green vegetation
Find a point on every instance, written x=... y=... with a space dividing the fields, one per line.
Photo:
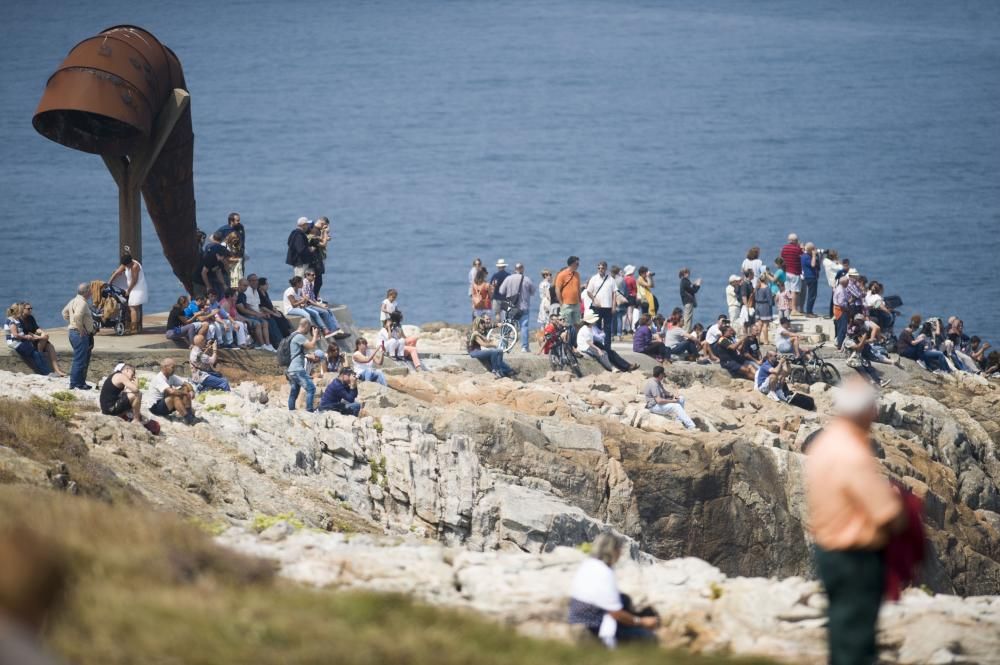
x=378 y=476
x=149 y=587
x=36 y=429
x=377 y=425
x=64 y=396
x=264 y=522
x=715 y=590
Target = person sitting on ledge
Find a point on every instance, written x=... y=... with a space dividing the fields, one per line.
x=342 y=394
x=596 y=604
x=284 y=327
x=171 y=393
x=643 y=342
x=482 y=348
x=785 y=340
x=203 y=357
x=24 y=343
x=590 y=341
x=120 y=394
x=366 y=363
x=771 y=375
x=661 y=402
x=180 y=326
x=29 y=326
x=730 y=357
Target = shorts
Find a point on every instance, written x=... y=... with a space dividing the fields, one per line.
x=793 y=282
x=160 y=408
x=785 y=346
x=732 y=366
x=122 y=405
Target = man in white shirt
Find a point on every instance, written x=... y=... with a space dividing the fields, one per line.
x=714 y=332
x=171 y=393
x=601 y=290
x=518 y=289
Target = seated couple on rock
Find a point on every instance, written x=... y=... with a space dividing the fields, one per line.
x=33 y=347
x=596 y=604
x=120 y=396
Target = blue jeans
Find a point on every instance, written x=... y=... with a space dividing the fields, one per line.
x=840 y=326
x=524 y=324
x=371 y=375
x=274 y=331
x=308 y=313
x=676 y=410
x=82 y=345
x=810 y=287
x=687 y=347
x=212 y=382
x=495 y=356
x=347 y=408
x=299 y=379
x=934 y=359
x=31 y=355
x=329 y=320
x=217 y=284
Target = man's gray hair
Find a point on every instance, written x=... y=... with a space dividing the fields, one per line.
x=607 y=546
x=83 y=289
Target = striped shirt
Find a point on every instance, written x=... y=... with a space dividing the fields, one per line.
x=791 y=254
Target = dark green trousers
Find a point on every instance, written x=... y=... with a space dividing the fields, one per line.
x=853 y=581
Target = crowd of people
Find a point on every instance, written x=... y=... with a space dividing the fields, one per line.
x=761 y=300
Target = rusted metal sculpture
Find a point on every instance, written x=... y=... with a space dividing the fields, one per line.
x=121 y=94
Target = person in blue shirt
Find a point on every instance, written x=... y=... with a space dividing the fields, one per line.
x=342 y=394
x=299 y=346
x=811 y=262
x=496 y=281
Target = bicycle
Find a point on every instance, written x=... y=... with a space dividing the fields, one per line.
x=561 y=354
x=810 y=368
x=503 y=334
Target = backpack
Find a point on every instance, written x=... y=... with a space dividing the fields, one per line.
x=284 y=355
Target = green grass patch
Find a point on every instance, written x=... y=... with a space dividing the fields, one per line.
x=150 y=587
x=63 y=396
x=264 y=522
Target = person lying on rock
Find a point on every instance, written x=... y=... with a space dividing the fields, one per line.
x=342 y=394
x=661 y=402
x=595 y=602
x=171 y=393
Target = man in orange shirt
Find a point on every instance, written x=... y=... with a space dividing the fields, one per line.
x=568 y=291
x=852 y=512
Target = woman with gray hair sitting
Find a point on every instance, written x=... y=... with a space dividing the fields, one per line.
x=596 y=603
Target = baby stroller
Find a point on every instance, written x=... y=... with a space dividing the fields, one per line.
x=111 y=311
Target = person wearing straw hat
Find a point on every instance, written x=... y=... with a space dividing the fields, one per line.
x=591 y=340
x=733 y=296
x=496 y=281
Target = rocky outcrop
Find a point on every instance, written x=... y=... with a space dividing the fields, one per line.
x=528 y=467
x=702 y=609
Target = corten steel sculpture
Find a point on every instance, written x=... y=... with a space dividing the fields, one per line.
x=121 y=95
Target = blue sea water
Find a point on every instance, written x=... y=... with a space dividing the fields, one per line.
x=657 y=133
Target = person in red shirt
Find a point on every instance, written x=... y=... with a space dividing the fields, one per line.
x=791 y=254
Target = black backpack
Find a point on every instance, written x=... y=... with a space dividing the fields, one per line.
x=284 y=355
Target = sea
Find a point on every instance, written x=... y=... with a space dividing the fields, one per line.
x=642 y=132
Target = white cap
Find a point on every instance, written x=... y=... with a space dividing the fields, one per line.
x=629 y=269
x=735 y=278
x=501 y=263
x=303 y=220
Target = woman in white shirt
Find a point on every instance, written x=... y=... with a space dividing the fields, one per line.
x=366 y=362
x=831 y=266
x=596 y=603
x=544 y=297
x=753 y=262
x=135 y=287
x=294 y=303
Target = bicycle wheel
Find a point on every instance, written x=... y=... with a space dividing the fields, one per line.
x=829 y=374
x=799 y=374
x=508 y=337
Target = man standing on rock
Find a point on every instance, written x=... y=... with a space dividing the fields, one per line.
x=791 y=254
x=81 y=336
x=852 y=512
x=568 y=291
x=517 y=291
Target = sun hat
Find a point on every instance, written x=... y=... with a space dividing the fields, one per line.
x=735 y=278
x=501 y=263
x=629 y=269
x=591 y=318
x=853 y=272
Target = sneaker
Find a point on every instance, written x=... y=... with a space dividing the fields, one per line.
x=884 y=382
x=922 y=364
x=85 y=386
x=268 y=347
x=341 y=334
x=773 y=395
